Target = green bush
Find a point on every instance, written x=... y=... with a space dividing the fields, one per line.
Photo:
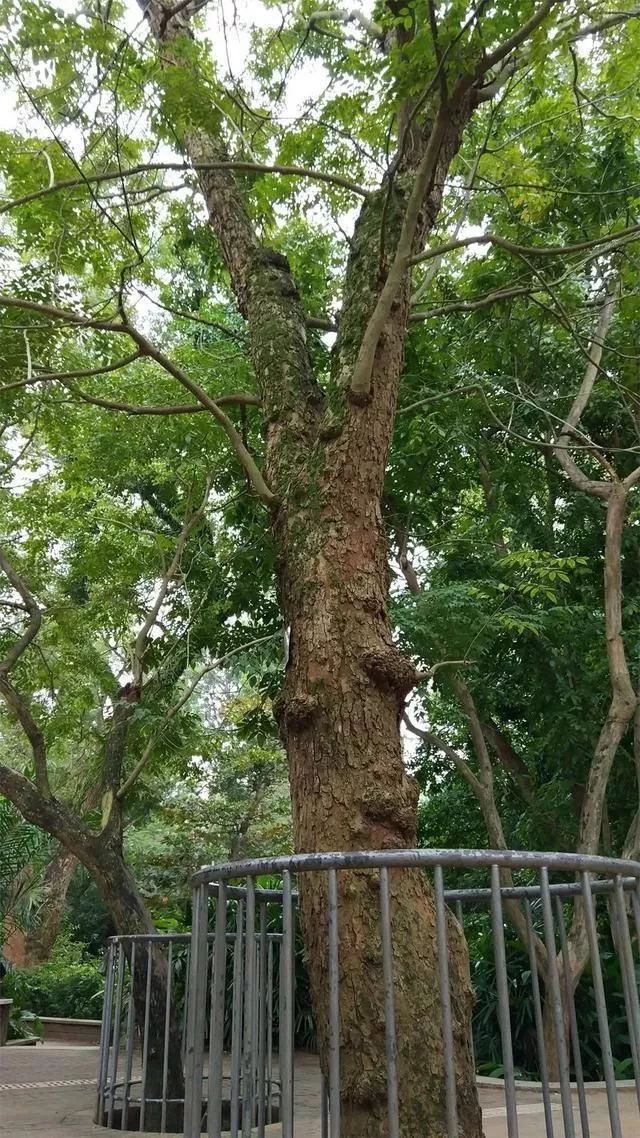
x=72 y=990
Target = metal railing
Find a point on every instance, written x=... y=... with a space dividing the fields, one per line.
x=129 y=1097
x=242 y=970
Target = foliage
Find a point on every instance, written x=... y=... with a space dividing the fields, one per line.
x=72 y=990
x=22 y=847
x=486 y=1031
x=87 y=922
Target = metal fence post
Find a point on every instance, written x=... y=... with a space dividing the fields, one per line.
x=196 y=1006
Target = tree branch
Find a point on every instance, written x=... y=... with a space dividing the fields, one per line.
x=148 y=349
x=361 y=377
x=609 y=21
x=593 y=364
x=624 y=700
x=511 y=761
x=12 y=697
x=159 y=409
x=142 y=639
x=614 y=240
x=460 y=764
x=344 y=16
x=31 y=606
x=422 y=677
x=82 y=373
x=631 y=848
x=574 y=473
x=261 y=278
x=46 y=812
x=493 y=297
x=505 y=49
x=133 y=777
x=22 y=712
x=184 y=167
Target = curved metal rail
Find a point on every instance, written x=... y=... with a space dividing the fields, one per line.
x=237 y=990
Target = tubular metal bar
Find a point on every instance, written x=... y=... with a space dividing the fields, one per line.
x=601 y=1007
x=185 y=1004
x=445 y=1004
x=239 y=892
x=179 y=938
x=324 y=1112
x=334 y=1004
x=105 y=1033
x=195 y=1016
x=467 y=896
x=128 y=1057
x=635 y=902
x=537 y=1012
x=390 y=1012
x=145 y=1039
x=629 y=982
x=216 y=1022
x=256 y=1027
x=286 y=1010
x=248 y=1050
x=263 y=1088
x=165 y=1049
x=573 y=1022
x=236 y=1021
x=270 y=975
x=502 y=985
x=115 y=1054
x=553 y=990
x=398 y=859
x=532 y=892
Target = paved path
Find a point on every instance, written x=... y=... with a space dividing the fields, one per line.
x=48 y=1092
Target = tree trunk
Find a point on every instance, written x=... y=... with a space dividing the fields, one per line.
x=339 y=714
x=345 y=693
x=43 y=932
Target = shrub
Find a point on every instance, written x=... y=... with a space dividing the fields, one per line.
x=72 y=990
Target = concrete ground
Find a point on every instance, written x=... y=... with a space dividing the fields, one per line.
x=49 y=1091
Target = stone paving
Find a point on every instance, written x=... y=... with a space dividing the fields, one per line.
x=48 y=1092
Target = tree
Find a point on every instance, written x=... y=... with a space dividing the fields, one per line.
x=426 y=78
